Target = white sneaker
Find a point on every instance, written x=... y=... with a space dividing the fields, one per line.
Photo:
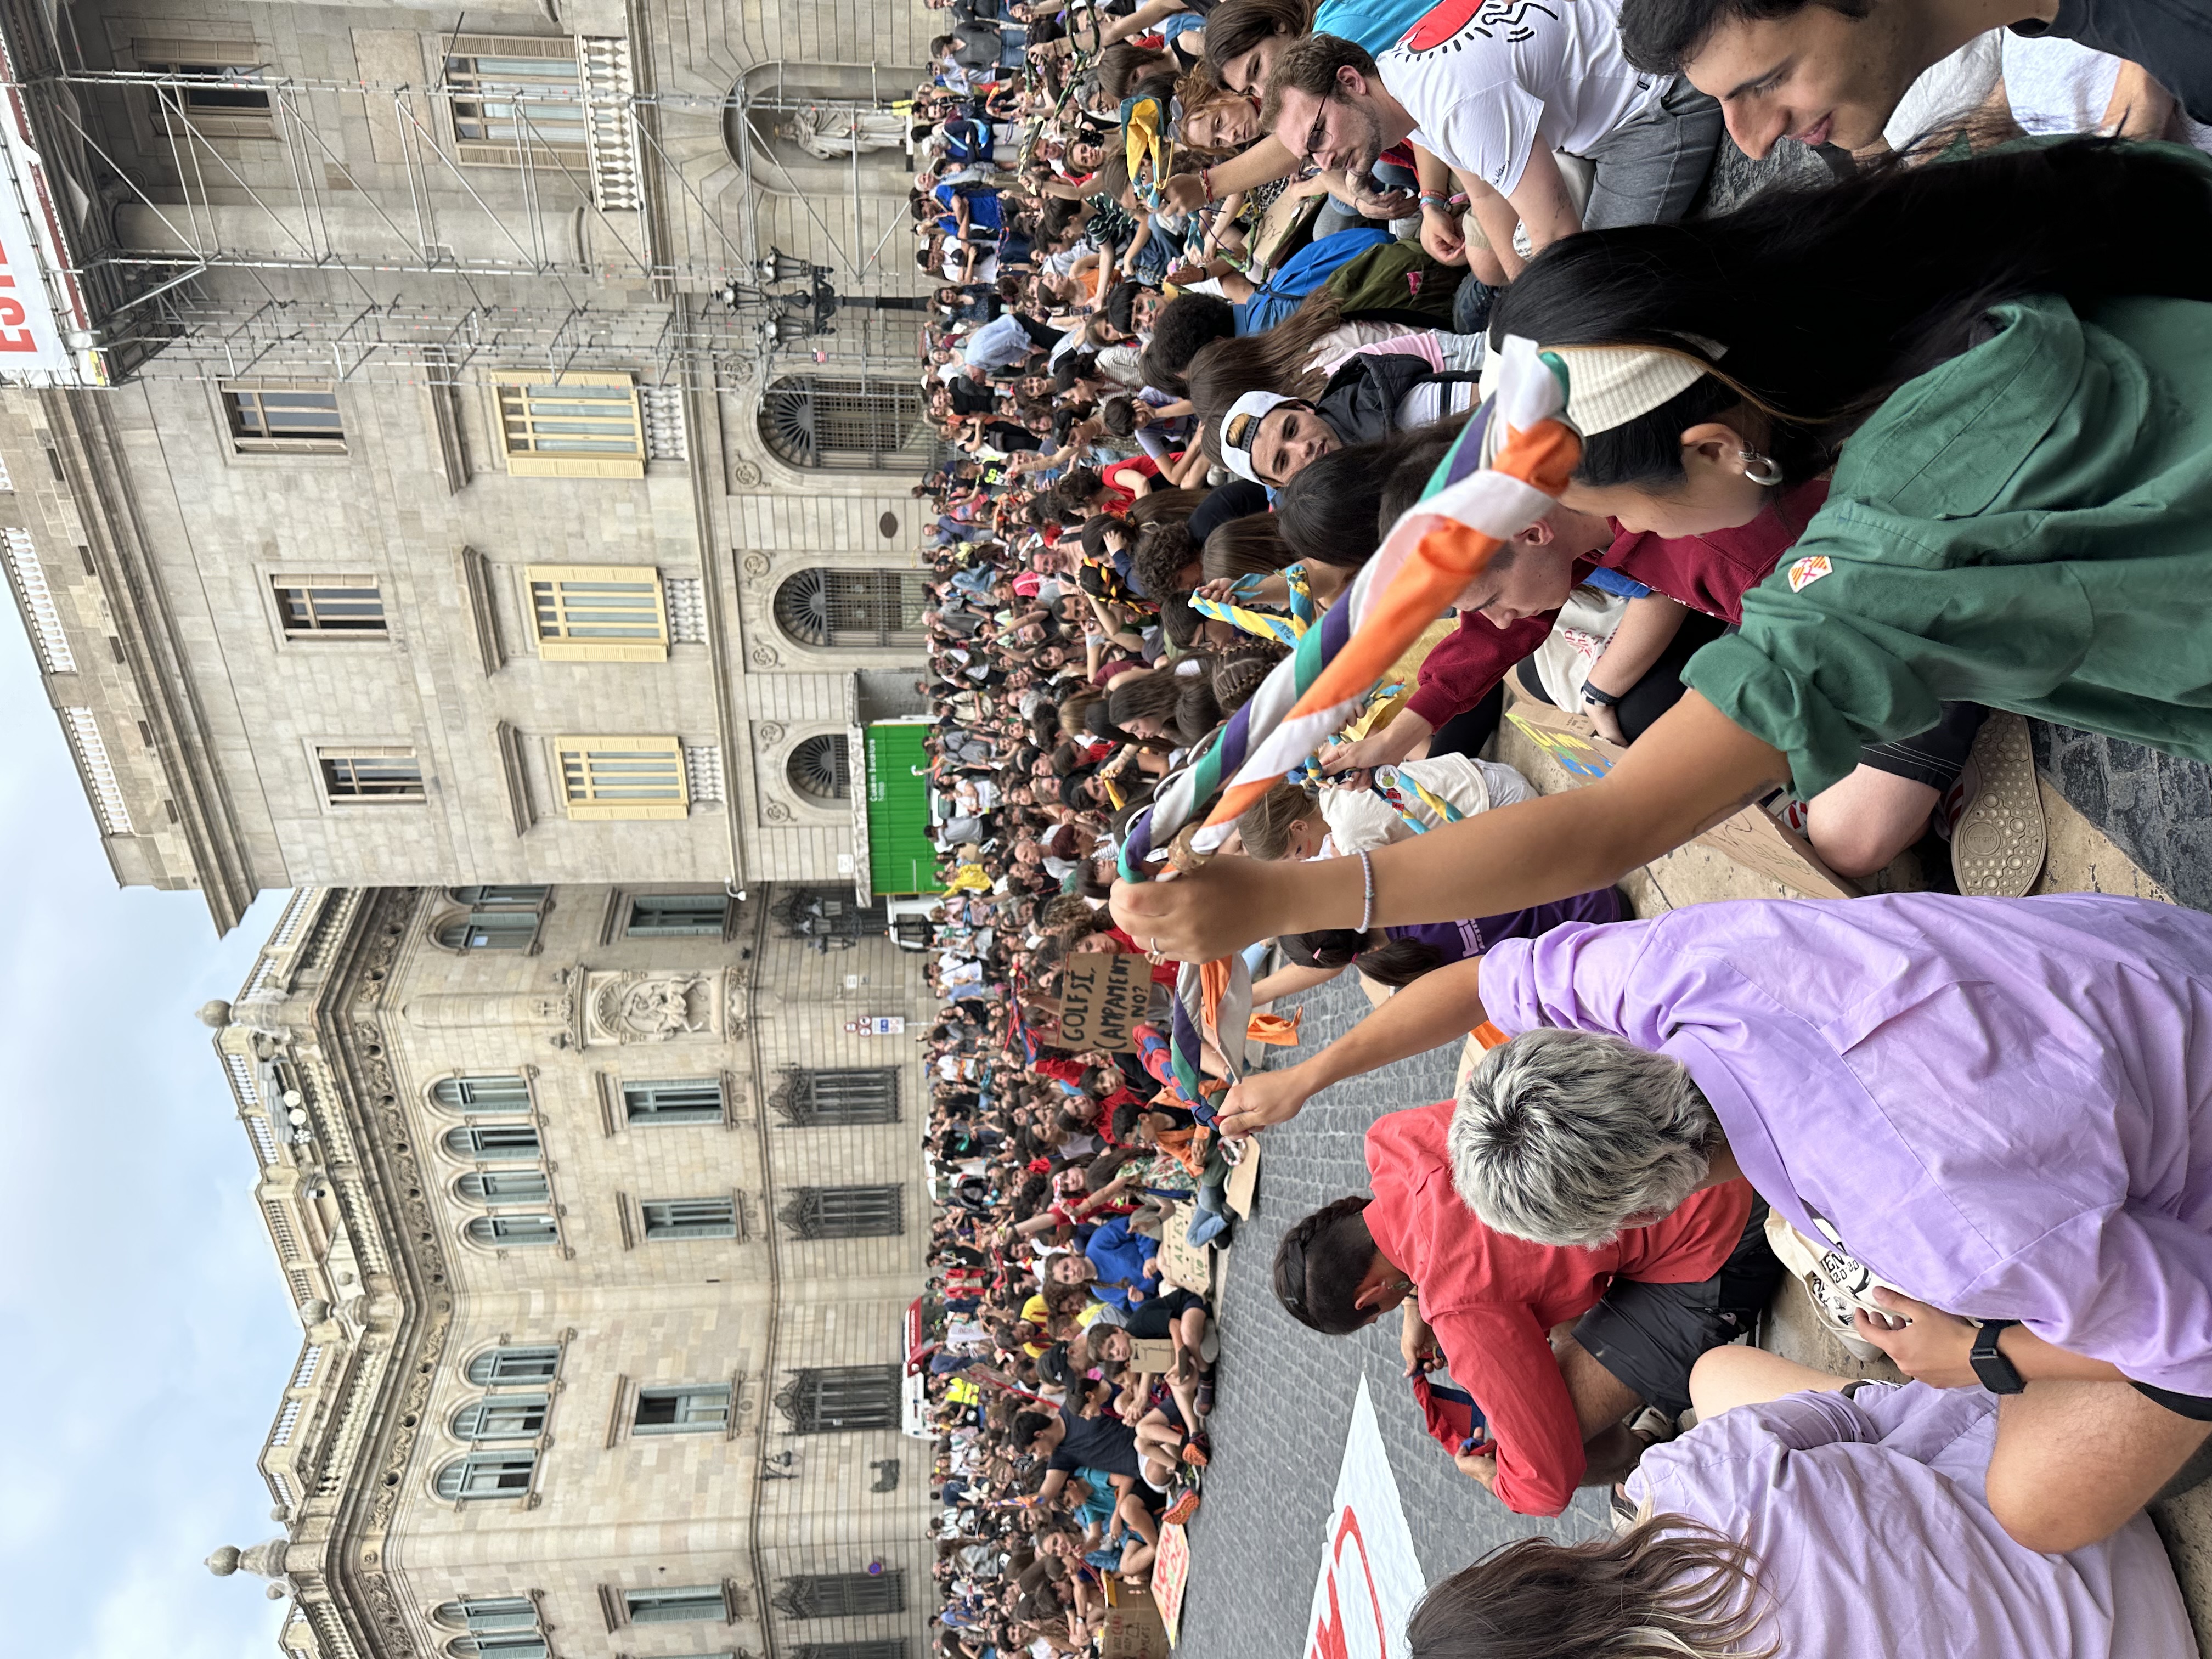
x=1997 y=823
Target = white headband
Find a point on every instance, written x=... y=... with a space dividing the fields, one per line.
x=1241 y=426
x=1609 y=386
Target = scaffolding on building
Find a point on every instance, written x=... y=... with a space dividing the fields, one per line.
x=554 y=257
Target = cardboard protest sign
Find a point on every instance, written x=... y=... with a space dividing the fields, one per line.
x=1752 y=837
x=1171 y=1571
x=1133 y=1629
x=1102 y=998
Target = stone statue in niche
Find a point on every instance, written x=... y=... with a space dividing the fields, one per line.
x=652 y=1007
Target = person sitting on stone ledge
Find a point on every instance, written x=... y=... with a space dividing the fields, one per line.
x=1818 y=1517
x=1646 y=1304
x=2002 y=1106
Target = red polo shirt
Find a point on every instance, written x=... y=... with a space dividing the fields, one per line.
x=1709 y=573
x=1492 y=1300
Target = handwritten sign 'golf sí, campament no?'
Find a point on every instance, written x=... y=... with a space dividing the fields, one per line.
x=1102 y=998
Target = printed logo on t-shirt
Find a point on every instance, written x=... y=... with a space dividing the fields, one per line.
x=1493 y=20
x=1808 y=570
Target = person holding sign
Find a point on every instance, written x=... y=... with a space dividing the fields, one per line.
x=1646 y=1304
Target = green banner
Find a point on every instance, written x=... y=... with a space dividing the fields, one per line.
x=902 y=859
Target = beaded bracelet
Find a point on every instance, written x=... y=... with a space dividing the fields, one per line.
x=1367 y=904
x=1435 y=198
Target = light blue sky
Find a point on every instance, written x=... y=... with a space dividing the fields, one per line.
x=146 y=1333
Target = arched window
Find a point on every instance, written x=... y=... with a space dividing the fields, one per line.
x=493 y=1095
x=487 y=1474
x=480 y=1613
x=841 y=1397
x=510 y=1230
x=498 y=1647
x=841 y=1595
x=502 y=1417
x=490 y=930
x=503 y=1187
x=871 y=426
x=862 y=610
x=527 y=898
x=534 y=1362
x=819 y=768
x=808 y=1100
x=493 y=1143
x=846 y=1213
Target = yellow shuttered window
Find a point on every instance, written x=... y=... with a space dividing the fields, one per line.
x=599 y=612
x=572 y=426
x=604 y=778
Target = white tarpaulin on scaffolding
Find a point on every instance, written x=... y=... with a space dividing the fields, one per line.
x=1370 y=1577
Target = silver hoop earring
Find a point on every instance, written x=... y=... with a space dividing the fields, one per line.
x=1759 y=469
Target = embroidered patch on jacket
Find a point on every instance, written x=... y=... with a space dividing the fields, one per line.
x=1808 y=570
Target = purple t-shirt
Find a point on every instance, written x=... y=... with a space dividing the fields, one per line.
x=1455 y=941
x=1873 y=1532
x=2002 y=1106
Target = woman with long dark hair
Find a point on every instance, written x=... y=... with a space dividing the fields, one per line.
x=1809 y=1517
x=2004 y=363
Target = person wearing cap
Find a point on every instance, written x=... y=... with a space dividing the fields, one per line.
x=1268 y=439
x=2019 y=512
x=1644 y=1305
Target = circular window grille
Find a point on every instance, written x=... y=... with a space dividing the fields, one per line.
x=787 y=422
x=802 y=607
x=818 y=769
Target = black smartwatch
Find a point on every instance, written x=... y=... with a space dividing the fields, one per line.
x=1998 y=1373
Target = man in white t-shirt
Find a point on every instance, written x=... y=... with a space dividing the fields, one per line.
x=1492 y=90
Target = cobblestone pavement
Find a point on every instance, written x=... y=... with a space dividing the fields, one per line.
x=1286 y=1394
x=2156 y=808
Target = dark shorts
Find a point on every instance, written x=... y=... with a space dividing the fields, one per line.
x=2194 y=1407
x=1649 y=1335
x=1936 y=756
x=1151 y=1319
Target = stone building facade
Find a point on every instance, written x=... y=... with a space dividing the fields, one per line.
x=432 y=476
x=602 y=1223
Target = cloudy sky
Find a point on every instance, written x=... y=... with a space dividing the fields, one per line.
x=150 y=1335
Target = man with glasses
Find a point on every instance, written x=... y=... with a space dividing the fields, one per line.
x=1645 y=1306
x=1495 y=99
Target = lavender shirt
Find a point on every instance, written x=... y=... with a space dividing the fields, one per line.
x=1999 y=1105
x=1874 y=1535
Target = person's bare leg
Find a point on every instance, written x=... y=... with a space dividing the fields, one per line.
x=1859 y=825
x=1724 y=1378
x=1137 y=1518
x=2074 y=1460
x=1602 y=1399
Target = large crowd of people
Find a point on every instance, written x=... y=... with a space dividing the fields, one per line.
x=1886 y=458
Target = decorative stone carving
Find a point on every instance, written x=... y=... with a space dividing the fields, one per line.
x=384 y=1610
x=764 y=656
x=214 y=1015
x=755 y=565
x=745 y=475
x=776 y=812
x=637 y=1007
x=769 y=733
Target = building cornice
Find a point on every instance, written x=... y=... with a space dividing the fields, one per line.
x=95 y=469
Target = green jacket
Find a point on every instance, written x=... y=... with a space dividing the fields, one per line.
x=2027 y=525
